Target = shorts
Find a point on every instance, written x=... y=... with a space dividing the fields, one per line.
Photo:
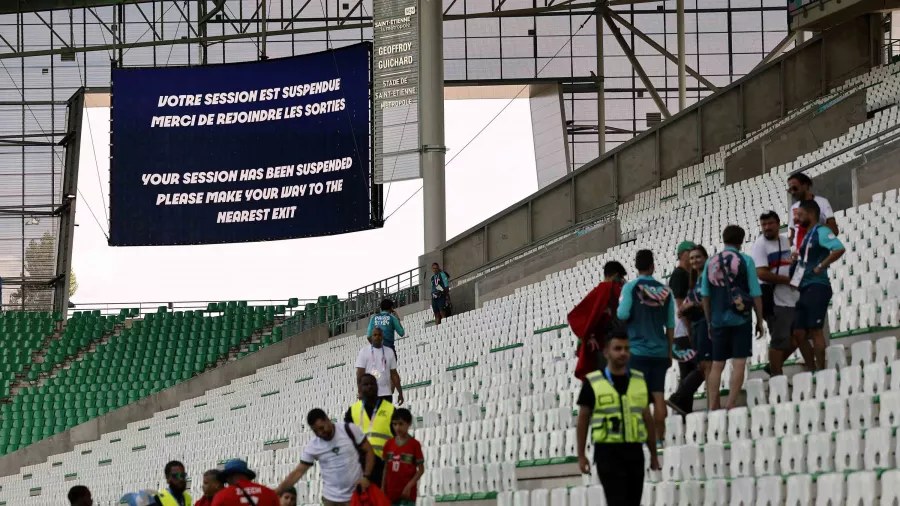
x=732 y=342
x=781 y=328
x=438 y=304
x=811 y=312
x=654 y=370
x=700 y=341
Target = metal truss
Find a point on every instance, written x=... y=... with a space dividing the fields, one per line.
x=612 y=61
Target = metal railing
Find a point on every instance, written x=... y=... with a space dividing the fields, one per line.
x=585 y=222
x=852 y=147
x=402 y=288
x=145 y=307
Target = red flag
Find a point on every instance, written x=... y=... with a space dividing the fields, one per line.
x=588 y=320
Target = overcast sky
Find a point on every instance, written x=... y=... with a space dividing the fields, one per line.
x=495 y=171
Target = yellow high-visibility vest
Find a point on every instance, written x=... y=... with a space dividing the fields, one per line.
x=377 y=431
x=619 y=418
x=169 y=500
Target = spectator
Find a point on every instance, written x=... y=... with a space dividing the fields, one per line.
x=212 y=484
x=772 y=255
x=373 y=416
x=729 y=287
x=404 y=462
x=176 y=493
x=819 y=249
x=799 y=187
x=691 y=311
x=242 y=490
x=288 y=497
x=617 y=433
x=388 y=322
x=648 y=307
x=440 y=293
x=79 y=495
x=682 y=401
x=594 y=319
x=382 y=366
x=339 y=452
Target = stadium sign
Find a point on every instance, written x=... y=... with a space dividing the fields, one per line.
x=257 y=151
x=396 y=75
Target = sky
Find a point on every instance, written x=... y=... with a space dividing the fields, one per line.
x=495 y=171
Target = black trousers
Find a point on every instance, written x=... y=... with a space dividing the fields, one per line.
x=691 y=379
x=621 y=472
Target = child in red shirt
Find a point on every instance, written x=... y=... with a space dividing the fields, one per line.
x=404 y=463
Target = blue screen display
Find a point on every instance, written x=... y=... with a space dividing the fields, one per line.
x=258 y=151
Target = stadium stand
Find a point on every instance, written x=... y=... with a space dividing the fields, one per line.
x=493 y=387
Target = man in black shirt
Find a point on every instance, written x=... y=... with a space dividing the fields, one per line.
x=682 y=401
x=617 y=431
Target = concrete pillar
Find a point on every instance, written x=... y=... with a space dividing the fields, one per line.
x=548 y=128
x=431 y=121
x=601 y=86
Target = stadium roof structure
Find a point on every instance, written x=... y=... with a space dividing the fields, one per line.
x=544 y=50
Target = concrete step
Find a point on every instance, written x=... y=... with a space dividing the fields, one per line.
x=90 y=348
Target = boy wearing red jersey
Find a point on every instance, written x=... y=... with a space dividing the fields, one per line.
x=404 y=463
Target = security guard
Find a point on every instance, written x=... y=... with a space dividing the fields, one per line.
x=176 y=494
x=614 y=404
x=373 y=415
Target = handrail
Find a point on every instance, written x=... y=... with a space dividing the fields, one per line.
x=146 y=307
x=813 y=108
x=844 y=150
x=867 y=149
x=594 y=217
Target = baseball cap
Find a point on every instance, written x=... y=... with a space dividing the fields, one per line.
x=236 y=466
x=139 y=498
x=685 y=246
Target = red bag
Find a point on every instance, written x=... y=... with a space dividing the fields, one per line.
x=372 y=497
x=588 y=319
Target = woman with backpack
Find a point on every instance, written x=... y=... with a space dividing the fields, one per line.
x=692 y=311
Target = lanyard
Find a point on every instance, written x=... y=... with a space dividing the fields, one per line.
x=609 y=375
x=362 y=415
x=808 y=241
x=383 y=359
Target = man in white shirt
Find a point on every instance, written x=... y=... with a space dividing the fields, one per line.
x=799 y=187
x=772 y=255
x=338 y=451
x=380 y=362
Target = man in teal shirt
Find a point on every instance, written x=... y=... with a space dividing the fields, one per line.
x=728 y=284
x=819 y=249
x=388 y=322
x=649 y=308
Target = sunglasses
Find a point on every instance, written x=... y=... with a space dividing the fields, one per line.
x=179 y=476
x=795 y=188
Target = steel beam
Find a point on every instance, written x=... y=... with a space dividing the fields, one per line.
x=637 y=66
x=190 y=40
x=601 y=92
x=52 y=31
x=682 y=78
x=350 y=14
x=777 y=50
x=652 y=43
